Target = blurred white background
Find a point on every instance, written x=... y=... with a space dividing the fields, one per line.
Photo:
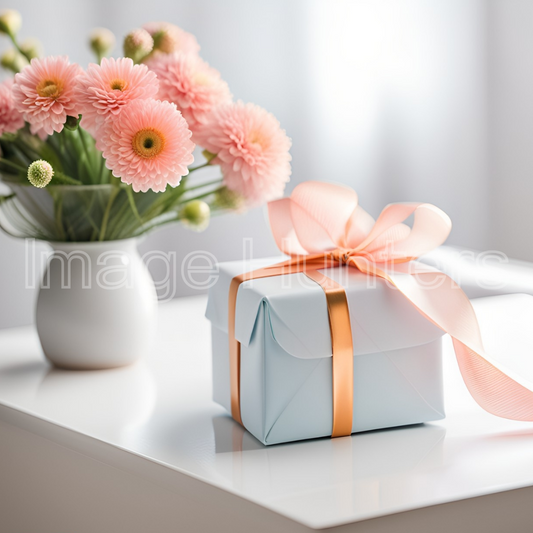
x=419 y=100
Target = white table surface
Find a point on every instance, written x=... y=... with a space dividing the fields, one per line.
x=161 y=410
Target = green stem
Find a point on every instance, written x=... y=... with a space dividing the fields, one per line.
x=101 y=171
x=26 y=149
x=16 y=45
x=200 y=196
x=198 y=167
x=105 y=218
x=201 y=185
x=14 y=166
x=65 y=180
x=58 y=208
x=131 y=200
x=61 y=140
x=84 y=143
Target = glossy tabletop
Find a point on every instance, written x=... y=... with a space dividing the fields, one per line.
x=161 y=410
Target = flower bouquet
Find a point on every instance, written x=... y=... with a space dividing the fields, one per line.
x=112 y=147
x=95 y=158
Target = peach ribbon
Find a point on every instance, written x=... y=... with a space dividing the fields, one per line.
x=321 y=225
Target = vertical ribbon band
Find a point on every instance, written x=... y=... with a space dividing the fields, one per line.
x=342 y=348
x=341 y=343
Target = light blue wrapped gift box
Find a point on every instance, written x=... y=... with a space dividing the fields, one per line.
x=286 y=378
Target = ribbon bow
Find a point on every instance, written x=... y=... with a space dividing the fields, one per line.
x=322 y=219
x=321 y=225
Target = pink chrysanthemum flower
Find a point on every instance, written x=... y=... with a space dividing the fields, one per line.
x=44 y=93
x=10 y=119
x=147 y=145
x=251 y=148
x=169 y=38
x=191 y=84
x=106 y=88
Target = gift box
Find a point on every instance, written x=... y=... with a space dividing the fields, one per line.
x=344 y=334
x=286 y=389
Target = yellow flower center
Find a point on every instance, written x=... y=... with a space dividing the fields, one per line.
x=148 y=143
x=202 y=78
x=118 y=85
x=49 y=88
x=257 y=138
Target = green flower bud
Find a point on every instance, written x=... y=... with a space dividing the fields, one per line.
x=32 y=48
x=227 y=199
x=10 y=22
x=102 y=41
x=164 y=41
x=138 y=44
x=72 y=123
x=40 y=173
x=13 y=60
x=195 y=215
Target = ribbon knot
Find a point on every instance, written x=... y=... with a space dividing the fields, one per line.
x=341 y=255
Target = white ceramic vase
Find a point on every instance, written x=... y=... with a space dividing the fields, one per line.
x=97 y=305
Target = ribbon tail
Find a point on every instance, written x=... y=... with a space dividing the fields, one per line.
x=492 y=388
x=445 y=304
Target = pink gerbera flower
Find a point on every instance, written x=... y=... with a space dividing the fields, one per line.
x=169 y=38
x=10 y=119
x=106 y=88
x=44 y=93
x=191 y=84
x=251 y=148
x=147 y=145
